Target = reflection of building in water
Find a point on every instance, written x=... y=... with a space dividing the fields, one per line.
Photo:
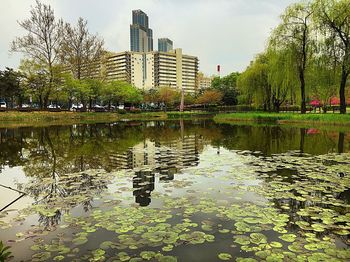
x=143 y=184
x=165 y=158
x=160 y=156
x=143 y=154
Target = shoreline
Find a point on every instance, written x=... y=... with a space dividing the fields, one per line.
x=285 y=119
x=27 y=119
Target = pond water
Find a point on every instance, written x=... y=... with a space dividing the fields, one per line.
x=175 y=191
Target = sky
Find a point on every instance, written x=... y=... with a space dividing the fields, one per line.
x=225 y=32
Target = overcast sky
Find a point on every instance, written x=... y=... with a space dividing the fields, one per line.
x=225 y=32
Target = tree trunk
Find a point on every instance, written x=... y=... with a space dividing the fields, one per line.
x=344 y=77
x=302 y=91
x=69 y=103
x=41 y=102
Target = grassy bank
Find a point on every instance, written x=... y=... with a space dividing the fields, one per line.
x=17 y=119
x=285 y=118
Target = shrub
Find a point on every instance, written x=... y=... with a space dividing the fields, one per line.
x=121 y=111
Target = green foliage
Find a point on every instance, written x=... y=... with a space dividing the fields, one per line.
x=228 y=87
x=324 y=119
x=118 y=91
x=4 y=252
x=309 y=49
x=10 y=85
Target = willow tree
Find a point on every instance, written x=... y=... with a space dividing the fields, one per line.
x=253 y=83
x=322 y=78
x=80 y=49
x=295 y=34
x=333 y=17
x=42 y=41
x=281 y=75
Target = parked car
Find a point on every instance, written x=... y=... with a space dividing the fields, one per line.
x=98 y=108
x=3 y=104
x=75 y=107
x=112 y=107
x=54 y=106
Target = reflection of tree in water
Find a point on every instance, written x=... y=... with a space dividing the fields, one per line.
x=12 y=144
x=279 y=139
x=51 y=185
x=143 y=184
x=56 y=151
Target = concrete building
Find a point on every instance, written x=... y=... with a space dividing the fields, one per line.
x=141 y=36
x=148 y=70
x=176 y=70
x=165 y=45
x=204 y=82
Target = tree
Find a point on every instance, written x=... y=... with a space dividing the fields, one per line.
x=42 y=42
x=268 y=80
x=253 y=83
x=323 y=75
x=294 y=34
x=228 y=87
x=281 y=77
x=210 y=97
x=79 y=48
x=333 y=17
x=169 y=96
x=36 y=80
x=151 y=96
x=120 y=92
x=11 y=87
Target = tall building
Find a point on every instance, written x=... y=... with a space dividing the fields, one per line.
x=176 y=70
x=165 y=45
x=148 y=70
x=141 y=36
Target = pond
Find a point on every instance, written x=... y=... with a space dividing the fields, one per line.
x=175 y=191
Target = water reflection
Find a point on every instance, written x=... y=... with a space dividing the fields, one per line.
x=150 y=149
x=143 y=184
x=91 y=176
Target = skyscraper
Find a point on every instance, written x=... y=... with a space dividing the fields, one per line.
x=165 y=45
x=141 y=36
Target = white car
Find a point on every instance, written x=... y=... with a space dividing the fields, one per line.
x=54 y=106
x=76 y=106
x=97 y=106
x=3 y=105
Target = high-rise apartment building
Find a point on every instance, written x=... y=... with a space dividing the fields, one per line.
x=141 y=36
x=165 y=45
x=175 y=69
x=150 y=70
x=144 y=68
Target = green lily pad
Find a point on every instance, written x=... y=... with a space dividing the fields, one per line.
x=224 y=256
x=288 y=237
